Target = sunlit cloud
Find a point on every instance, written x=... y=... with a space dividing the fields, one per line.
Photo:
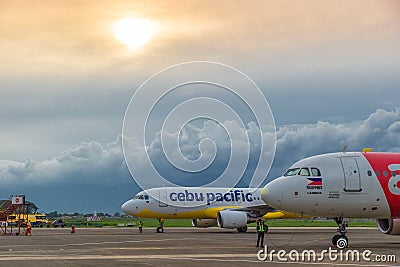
x=134 y=32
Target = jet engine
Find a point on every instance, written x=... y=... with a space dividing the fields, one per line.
x=389 y=226
x=204 y=223
x=233 y=219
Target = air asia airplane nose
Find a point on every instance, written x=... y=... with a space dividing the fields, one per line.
x=127 y=207
x=272 y=194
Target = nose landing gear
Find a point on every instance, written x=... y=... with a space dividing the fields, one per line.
x=160 y=228
x=242 y=229
x=340 y=240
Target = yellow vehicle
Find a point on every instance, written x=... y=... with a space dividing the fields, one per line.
x=36 y=219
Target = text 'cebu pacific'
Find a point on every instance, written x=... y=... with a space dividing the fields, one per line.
x=231 y=196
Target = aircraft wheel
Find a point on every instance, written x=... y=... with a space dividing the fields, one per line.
x=334 y=239
x=160 y=230
x=342 y=242
x=242 y=229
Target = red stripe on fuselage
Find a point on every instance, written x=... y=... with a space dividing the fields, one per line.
x=380 y=161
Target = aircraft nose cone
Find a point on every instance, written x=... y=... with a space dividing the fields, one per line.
x=127 y=207
x=272 y=194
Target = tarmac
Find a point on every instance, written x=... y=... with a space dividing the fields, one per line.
x=194 y=247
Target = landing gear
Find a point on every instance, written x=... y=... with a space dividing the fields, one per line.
x=160 y=228
x=340 y=240
x=242 y=229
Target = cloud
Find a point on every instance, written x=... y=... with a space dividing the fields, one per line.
x=88 y=177
x=294 y=142
x=204 y=153
x=94 y=176
x=95 y=162
x=63 y=38
x=379 y=131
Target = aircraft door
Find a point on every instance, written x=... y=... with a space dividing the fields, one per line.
x=352 y=181
x=162 y=201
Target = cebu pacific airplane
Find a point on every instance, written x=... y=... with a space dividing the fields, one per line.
x=227 y=208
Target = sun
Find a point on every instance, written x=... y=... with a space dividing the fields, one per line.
x=134 y=32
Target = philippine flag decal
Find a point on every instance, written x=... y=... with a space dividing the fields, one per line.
x=314 y=183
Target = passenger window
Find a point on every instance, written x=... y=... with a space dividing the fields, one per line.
x=385 y=173
x=315 y=172
x=140 y=197
x=377 y=173
x=304 y=172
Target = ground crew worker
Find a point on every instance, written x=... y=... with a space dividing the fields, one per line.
x=28 y=229
x=140 y=226
x=261 y=229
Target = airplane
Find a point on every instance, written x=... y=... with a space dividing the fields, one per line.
x=341 y=186
x=207 y=207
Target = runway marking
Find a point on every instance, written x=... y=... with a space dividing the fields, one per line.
x=114 y=249
x=297 y=263
x=110 y=257
x=101 y=243
x=123 y=242
x=193 y=257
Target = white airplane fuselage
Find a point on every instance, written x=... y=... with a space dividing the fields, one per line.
x=227 y=208
x=190 y=202
x=343 y=185
x=340 y=186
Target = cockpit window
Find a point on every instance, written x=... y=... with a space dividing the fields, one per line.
x=141 y=197
x=304 y=172
x=315 y=172
x=292 y=172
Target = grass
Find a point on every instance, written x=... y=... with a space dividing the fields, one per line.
x=115 y=222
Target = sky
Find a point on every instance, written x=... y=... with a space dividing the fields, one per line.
x=330 y=71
